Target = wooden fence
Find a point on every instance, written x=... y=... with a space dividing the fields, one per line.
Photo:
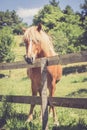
x=45 y=100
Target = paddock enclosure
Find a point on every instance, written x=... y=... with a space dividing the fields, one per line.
x=45 y=101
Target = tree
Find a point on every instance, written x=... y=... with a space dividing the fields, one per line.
x=6 y=45
x=18 y=29
x=48 y=16
x=54 y=3
x=60 y=41
x=9 y=18
x=68 y=10
x=84 y=7
x=83 y=37
x=64 y=26
x=84 y=12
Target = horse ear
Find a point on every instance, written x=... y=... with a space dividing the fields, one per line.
x=39 y=27
x=24 y=29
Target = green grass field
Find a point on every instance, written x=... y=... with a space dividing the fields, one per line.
x=13 y=116
x=73 y=85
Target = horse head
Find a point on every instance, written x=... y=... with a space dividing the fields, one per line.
x=38 y=44
x=32 y=43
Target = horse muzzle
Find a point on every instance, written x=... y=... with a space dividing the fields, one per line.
x=29 y=60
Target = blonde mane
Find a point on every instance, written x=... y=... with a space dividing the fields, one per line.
x=39 y=37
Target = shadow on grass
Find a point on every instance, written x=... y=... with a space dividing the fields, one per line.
x=84 y=80
x=80 y=81
x=78 y=127
x=77 y=93
x=36 y=126
x=18 y=122
x=21 y=117
x=3 y=76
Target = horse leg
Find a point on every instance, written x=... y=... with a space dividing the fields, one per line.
x=41 y=107
x=30 y=117
x=34 y=93
x=51 y=94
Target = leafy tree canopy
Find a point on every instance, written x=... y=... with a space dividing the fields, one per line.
x=6 y=45
x=11 y=19
x=65 y=27
x=54 y=3
x=68 y=10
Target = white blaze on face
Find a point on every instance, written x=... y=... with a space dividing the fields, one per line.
x=30 y=51
x=30 y=46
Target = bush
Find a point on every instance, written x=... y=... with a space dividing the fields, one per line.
x=6 y=45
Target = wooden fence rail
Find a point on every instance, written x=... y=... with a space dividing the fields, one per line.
x=80 y=103
x=44 y=100
x=62 y=59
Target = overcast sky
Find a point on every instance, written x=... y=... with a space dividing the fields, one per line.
x=26 y=9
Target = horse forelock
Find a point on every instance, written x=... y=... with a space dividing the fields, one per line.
x=31 y=33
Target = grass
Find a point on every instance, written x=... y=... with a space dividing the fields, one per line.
x=73 y=85
x=18 y=84
x=19 y=49
x=13 y=116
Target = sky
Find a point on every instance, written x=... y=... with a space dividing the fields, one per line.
x=26 y=9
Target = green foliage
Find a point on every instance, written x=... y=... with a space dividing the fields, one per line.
x=6 y=45
x=48 y=16
x=60 y=41
x=54 y=3
x=84 y=6
x=9 y=18
x=66 y=27
x=68 y=10
x=18 y=30
x=83 y=37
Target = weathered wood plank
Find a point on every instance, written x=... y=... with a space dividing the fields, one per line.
x=73 y=58
x=18 y=65
x=61 y=59
x=80 y=103
x=44 y=94
x=21 y=99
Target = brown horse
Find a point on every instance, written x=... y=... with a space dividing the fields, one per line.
x=39 y=44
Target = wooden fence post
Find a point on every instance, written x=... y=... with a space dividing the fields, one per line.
x=44 y=94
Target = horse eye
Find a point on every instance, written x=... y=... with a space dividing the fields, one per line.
x=37 y=42
x=33 y=42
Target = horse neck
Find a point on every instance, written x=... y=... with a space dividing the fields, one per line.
x=49 y=51
x=46 y=53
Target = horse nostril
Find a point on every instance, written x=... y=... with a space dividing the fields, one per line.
x=29 y=60
x=32 y=59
